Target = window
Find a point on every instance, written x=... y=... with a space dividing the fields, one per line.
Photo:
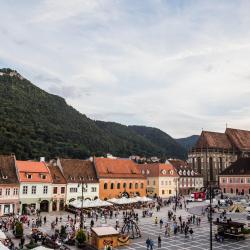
x=169 y=182
x=54 y=190
x=62 y=190
x=112 y=186
x=15 y=191
x=170 y=191
x=29 y=176
x=231 y=191
x=73 y=190
x=141 y=185
x=93 y=189
x=248 y=180
x=224 y=190
x=136 y=185
x=130 y=185
x=0 y=191
x=224 y=180
x=242 y=180
x=25 y=189
x=147 y=182
x=162 y=183
x=118 y=185
x=153 y=183
x=33 y=190
x=230 y=180
x=124 y=185
x=7 y=191
x=166 y=183
x=45 y=189
x=105 y=186
x=43 y=176
x=162 y=192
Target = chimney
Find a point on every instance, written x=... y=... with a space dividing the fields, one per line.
x=42 y=159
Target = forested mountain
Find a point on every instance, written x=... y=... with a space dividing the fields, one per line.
x=35 y=123
x=188 y=142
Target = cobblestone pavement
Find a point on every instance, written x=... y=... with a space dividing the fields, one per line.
x=149 y=229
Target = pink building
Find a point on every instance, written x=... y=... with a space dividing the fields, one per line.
x=9 y=186
x=236 y=178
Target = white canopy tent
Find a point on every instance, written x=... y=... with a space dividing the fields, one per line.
x=2 y=235
x=3 y=247
x=40 y=248
x=124 y=200
x=90 y=204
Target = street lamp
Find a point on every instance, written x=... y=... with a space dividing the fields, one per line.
x=84 y=185
x=176 y=190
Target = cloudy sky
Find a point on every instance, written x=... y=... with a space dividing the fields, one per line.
x=177 y=65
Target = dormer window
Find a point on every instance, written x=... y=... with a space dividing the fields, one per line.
x=43 y=176
x=5 y=177
x=148 y=171
x=164 y=171
x=29 y=176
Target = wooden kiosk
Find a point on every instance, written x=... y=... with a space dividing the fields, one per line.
x=104 y=236
x=230 y=229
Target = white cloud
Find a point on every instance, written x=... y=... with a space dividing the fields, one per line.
x=177 y=65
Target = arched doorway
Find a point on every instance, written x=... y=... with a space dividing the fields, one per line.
x=54 y=205
x=61 y=205
x=44 y=206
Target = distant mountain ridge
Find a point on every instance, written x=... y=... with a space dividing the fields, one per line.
x=188 y=142
x=35 y=123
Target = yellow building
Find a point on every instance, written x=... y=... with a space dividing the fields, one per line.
x=162 y=179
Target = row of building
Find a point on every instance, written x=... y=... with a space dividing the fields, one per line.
x=50 y=186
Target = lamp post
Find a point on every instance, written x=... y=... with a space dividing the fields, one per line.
x=176 y=190
x=83 y=183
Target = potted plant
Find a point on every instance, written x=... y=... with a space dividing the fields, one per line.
x=80 y=239
x=18 y=232
x=31 y=244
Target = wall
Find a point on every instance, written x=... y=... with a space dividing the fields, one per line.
x=168 y=185
x=87 y=194
x=233 y=184
x=114 y=193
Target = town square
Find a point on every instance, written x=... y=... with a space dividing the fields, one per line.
x=124 y=124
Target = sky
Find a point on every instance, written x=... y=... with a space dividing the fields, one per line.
x=181 y=66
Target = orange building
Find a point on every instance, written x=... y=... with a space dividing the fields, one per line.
x=119 y=177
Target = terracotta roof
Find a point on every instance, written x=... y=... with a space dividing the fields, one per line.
x=209 y=139
x=240 y=167
x=75 y=169
x=8 y=173
x=36 y=169
x=158 y=169
x=56 y=174
x=239 y=138
x=183 y=165
x=117 y=168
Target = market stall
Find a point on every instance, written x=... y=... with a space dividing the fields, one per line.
x=104 y=236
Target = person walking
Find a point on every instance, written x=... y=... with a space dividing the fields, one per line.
x=148 y=243
x=191 y=233
x=161 y=223
x=151 y=244
x=159 y=241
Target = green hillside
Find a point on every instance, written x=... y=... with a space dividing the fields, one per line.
x=35 y=123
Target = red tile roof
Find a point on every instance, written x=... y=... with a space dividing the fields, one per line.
x=158 y=170
x=209 y=139
x=183 y=165
x=239 y=138
x=240 y=167
x=8 y=173
x=56 y=174
x=117 y=168
x=36 y=169
x=75 y=169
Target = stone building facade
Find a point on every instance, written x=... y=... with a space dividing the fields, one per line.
x=214 y=152
x=236 y=178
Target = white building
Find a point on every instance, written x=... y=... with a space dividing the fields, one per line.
x=80 y=176
x=35 y=186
